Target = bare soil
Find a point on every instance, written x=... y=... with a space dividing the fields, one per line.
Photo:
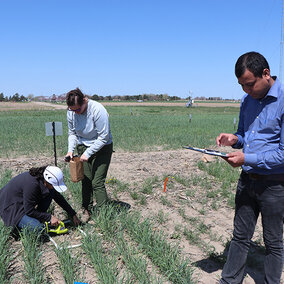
x=134 y=169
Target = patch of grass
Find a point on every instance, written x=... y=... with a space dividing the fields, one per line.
x=104 y=262
x=177 y=233
x=202 y=228
x=134 y=195
x=142 y=200
x=34 y=269
x=163 y=255
x=190 y=193
x=148 y=184
x=227 y=175
x=69 y=264
x=220 y=170
x=135 y=262
x=142 y=131
x=6 y=253
x=165 y=201
x=182 y=180
x=161 y=217
x=5 y=176
x=119 y=186
x=192 y=236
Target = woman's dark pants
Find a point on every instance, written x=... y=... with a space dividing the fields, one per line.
x=95 y=172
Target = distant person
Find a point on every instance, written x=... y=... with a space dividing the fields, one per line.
x=260 y=188
x=25 y=199
x=89 y=133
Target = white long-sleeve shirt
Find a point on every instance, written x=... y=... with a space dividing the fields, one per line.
x=90 y=128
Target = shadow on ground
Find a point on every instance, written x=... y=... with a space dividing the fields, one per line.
x=254 y=264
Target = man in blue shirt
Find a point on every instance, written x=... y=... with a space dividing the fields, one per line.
x=261 y=185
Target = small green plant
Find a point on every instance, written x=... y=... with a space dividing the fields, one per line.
x=202 y=211
x=5 y=176
x=34 y=269
x=165 y=201
x=191 y=236
x=69 y=264
x=182 y=180
x=104 y=263
x=215 y=205
x=162 y=254
x=134 y=261
x=202 y=228
x=161 y=217
x=142 y=200
x=177 y=233
x=190 y=193
x=5 y=254
x=148 y=184
x=134 y=195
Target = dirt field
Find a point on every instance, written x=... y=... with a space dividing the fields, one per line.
x=135 y=168
x=5 y=106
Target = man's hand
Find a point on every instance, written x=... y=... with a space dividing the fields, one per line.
x=83 y=158
x=76 y=221
x=69 y=154
x=235 y=159
x=54 y=221
x=226 y=139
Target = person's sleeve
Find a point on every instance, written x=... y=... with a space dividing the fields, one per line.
x=61 y=201
x=269 y=159
x=101 y=121
x=30 y=199
x=240 y=131
x=72 y=137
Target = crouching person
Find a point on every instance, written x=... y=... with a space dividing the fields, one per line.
x=26 y=198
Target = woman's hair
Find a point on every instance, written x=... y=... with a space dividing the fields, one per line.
x=71 y=97
x=37 y=172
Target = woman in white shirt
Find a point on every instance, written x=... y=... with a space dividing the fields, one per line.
x=89 y=132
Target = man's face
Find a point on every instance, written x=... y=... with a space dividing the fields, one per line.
x=256 y=87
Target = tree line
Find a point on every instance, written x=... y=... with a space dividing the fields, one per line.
x=61 y=98
x=14 y=98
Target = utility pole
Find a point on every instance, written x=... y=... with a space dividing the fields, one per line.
x=281 y=44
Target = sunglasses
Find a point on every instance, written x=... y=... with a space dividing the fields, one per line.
x=76 y=110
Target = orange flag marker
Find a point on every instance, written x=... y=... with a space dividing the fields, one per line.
x=165 y=185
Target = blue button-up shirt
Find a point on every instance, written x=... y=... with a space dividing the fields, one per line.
x=261 y=132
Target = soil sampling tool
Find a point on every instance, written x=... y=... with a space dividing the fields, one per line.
x=58 y=230
x=61 y=229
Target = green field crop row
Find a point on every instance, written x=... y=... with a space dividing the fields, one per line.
x=5 y=254
x=133 y=129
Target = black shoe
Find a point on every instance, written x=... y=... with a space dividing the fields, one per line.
x=44 y=238
x=120 y=205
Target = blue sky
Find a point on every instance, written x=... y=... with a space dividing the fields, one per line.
x=130 y=47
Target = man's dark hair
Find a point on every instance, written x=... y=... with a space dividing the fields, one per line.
x=253 y=61
x=71 y=96
x=37 y=172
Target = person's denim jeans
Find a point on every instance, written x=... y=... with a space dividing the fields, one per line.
x=34 y=224
x=254 y=197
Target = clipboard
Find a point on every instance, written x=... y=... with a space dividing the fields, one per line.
x=207 y=151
